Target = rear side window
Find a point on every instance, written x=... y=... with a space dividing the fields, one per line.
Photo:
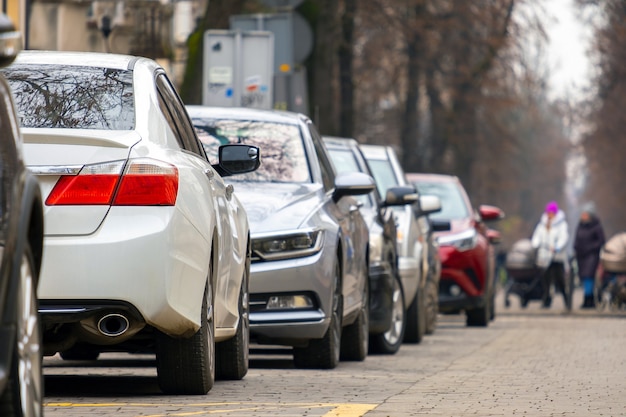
x=58 y=96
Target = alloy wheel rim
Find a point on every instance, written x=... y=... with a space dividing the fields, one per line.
x=28 y=344
x=397 y=320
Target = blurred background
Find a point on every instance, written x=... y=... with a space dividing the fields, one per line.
x=521 y=99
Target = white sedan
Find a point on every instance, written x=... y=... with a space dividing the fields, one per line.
x=146 y=248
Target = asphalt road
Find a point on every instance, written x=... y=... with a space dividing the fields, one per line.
x=530 y=362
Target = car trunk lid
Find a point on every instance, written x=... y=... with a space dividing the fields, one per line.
x=55 y=153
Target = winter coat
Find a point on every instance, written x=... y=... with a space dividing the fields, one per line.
x=588 y=242
x=555 y=238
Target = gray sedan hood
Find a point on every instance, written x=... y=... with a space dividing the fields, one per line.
x=278 y=206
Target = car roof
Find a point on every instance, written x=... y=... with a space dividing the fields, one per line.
x=245 y=113
x=375 y=151
x=413 y=177
x=340 y=142
x=84 y=59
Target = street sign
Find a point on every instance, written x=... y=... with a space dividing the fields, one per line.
x=238 y=69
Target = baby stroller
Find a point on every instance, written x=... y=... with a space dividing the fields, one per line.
x=524 y=274
x=610 y=288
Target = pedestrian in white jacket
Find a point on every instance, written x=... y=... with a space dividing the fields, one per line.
x=550 y=239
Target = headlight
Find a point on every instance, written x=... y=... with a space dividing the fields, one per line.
x=462 y=241
x=287 y=245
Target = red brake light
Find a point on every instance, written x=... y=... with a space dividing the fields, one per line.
x=148 y=183
x=145 y=182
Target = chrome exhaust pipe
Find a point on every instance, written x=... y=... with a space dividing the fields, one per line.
x=113 y=325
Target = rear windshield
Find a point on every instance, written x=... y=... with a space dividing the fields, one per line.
x=59 y=96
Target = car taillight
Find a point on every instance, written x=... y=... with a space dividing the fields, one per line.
x=144 y=182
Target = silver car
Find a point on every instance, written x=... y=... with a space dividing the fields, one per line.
x=308 y=283
x=412 y=235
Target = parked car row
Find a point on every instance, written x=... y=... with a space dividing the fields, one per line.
x=320 y=244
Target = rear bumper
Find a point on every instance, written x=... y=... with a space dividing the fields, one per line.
x=153 y=264
x=381 y=298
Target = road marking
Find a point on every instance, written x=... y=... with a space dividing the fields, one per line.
x=350 y=410
x=338 y=410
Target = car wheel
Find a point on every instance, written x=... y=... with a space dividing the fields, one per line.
x=80 y=353
x=232 y=355
x=187 y=365
x=479 y=317
x=432 y=307
x=390 y=341
x=324 y=353
x=354 y=339
x=416 y=319
x=492 y=307
x=23 y=394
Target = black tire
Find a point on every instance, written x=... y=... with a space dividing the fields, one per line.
x=432 y=307
x=80 y=353
x=23 y=394
x=324 y=353
x=232 y=355
x=187 y=366
x=390 y=341
x=355 y=337
x=416 y=319
x=479 y=317
x=492 y=308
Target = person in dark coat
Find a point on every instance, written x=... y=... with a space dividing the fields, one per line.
x=587 y=244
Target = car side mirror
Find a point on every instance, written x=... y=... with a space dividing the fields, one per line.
x=400 y=196
x=238 y=159
x=441 y=225
x=352 y=183
x=429 y=204
x=490 y=213
x=10 y=41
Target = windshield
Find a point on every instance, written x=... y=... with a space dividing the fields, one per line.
x=74 y=97
x=383 y=175
x=283 y=158
x=452 y=202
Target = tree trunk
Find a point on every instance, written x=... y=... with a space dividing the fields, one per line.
x=346 y=111
x=323 y=68
x=216 y=16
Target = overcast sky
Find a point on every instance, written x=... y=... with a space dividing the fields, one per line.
x=569 y=43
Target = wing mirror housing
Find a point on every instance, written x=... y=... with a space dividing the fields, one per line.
x=352 y=183
x=400 y=196
x=10 y=41
x=429 y=204
x=238 y=159
x=490 y=213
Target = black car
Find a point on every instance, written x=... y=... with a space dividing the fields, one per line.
x=21 y=243
x=387 y=315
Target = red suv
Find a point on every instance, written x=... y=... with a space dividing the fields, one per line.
x=465 y=247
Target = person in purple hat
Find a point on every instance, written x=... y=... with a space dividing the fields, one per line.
x=550 y=239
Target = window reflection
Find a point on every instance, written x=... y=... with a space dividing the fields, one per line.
x=283 y=158
x=57 y=96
